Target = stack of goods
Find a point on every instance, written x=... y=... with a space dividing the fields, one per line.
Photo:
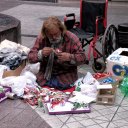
x=53 y=101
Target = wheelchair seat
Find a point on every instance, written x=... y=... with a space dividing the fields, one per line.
x=81 y=33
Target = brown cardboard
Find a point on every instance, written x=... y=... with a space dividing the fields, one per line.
x=107 y=96
x=15 y=72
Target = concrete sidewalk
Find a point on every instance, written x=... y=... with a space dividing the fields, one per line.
x=31 y=14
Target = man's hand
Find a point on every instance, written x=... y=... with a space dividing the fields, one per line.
x=46 y=51
x=63 y=56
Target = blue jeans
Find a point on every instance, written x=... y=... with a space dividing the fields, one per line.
x=54 y=83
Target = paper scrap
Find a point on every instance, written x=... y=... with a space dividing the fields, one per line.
x=104 y=86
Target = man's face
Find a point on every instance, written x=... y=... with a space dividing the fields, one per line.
x=54 y=35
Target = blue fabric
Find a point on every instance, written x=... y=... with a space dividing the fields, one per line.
x=54 y=83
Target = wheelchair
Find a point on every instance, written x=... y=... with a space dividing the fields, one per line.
x=92 y=30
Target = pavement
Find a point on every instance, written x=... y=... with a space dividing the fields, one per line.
x=16 y=114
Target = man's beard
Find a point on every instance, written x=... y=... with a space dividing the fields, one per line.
x=57 y=41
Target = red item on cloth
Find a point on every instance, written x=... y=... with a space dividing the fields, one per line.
x=101 y=75
x=34 y=100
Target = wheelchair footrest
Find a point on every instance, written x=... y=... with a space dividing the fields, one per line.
x=87 y=62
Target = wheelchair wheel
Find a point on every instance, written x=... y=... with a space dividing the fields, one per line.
x=99 y=66
x=109 y=41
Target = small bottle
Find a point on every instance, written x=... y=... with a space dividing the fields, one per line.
x=40 y=103
x=1 y=89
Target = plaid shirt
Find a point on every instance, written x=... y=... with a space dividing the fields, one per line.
x=65 y=72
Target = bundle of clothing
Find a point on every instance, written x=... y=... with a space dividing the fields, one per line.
x=12 y=54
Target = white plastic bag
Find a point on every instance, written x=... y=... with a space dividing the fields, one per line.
x=89 y=90
x=29 y=75
x=34 y=68
x=2 y=68
x=88 y=85
x=89 y=79
x=16 y=83
x=79 y=82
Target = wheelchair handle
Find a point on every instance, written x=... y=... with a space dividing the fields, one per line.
x=67 y=17
x=71 y=14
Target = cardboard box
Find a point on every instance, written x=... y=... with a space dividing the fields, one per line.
x=15 y=72
x=3 y=94
x=117 y=63
x=66 y=109
x=107 y=96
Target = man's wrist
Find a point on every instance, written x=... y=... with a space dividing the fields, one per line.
x=40 y=55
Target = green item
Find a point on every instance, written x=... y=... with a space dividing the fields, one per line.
x=1 y=89
x=40 y=103
x=77 y=105
x=72 y=85
x=124 y=86
x=78 y=87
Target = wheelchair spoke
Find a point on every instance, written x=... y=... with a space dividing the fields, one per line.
x=109 y=42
